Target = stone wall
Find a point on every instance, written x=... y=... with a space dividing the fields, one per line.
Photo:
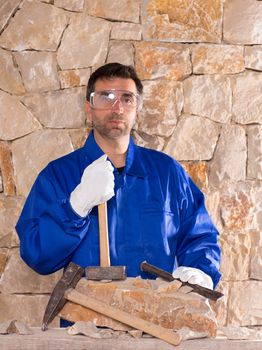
x=201 y=65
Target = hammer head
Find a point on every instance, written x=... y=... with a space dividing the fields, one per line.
x=57 y=300
x=109 y=273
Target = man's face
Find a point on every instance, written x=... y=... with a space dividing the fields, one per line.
x=117 y=120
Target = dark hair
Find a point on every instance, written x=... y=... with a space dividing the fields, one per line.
x=113 y=70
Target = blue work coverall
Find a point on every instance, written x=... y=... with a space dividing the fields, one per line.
x=157 y=214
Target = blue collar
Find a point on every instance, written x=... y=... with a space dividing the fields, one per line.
x=134 y=165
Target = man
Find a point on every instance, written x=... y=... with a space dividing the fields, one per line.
x=155 y=212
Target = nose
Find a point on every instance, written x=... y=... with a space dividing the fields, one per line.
x=117 y=106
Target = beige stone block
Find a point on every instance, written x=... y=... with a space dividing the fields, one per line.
x=6 y=167
x=39 y=70
x=75 y=6
x=162 y=104
x=242 y=22
x=156 y=60
x=198 y=171
x=79 y=136
x=37 y=26
x=74 y=77
x=149 y=141
x=247 y=98
x=212 y=202
x=235 y=260
x=184 y=21
x=84 y=43
x=122 y=52
x=253 y=57
x=32 y=153
x=236 y=207
x=255 y=197
x=126 y=31
x=209 y=96
x=7 y=10
x=119 y=10
x=220 y=306
x=58 y=109
x=1 y=183
x=148 y=300
x=10 y=78
x=229 y=161
x=256 y=256
x=28 y=309
x=254 y=141
x=245 y=303
x=194 y=138
x=10 y=208
x=19 y=278
x=217 y=59
x=3 y=259
x=15 y=119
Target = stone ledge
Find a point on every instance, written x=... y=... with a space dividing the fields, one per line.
x=58 y=339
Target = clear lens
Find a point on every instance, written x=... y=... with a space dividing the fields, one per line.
x=106 y=99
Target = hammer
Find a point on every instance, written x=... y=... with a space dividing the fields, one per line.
x=64 y=290
x=104 y=271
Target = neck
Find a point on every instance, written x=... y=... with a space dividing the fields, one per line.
x=115 y=148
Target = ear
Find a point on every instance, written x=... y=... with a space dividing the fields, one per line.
x=88 y=112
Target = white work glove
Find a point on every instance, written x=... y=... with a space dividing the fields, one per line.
x=194 y=276
x=96 y=186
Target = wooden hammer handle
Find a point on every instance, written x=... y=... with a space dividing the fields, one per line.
x=103 y=235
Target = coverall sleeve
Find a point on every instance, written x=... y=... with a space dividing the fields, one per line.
x=48 y=228
x=198 y=237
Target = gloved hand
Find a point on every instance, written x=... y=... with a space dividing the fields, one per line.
x=96 y=186
x=194 y=276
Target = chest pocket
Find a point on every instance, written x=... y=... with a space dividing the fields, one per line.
x=158 y=228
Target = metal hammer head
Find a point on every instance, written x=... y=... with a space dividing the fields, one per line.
x=70 y=278
x=110 y=273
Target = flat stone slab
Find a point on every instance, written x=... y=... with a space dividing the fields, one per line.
x=58 y=339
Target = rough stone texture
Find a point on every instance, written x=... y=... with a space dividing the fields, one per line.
x=193 y=139
x=74 y=77
x=217 y=59
x=24 y=308
x=184 y=21
x=126 y=31
x=118 y=10
x=59 y=109
x=26 y=280
x=229 y=161
x=36 y=26
x=163 y=103
x=39 y=70
x=10 y=78
x=3 y=259
x=255 y=198
x=6 y=167
x=156 y=301
x=28 y=161
x=122 y=52
x=220 y=306
x=76 y=5
x=247 y=98
x=242 y=22
x=162 y=61
x=236 y=207
x=79 y=47
x=10 y=208
x=208 y=96
x=15 y=119
x=198 y=171
x=253 y=57
x=149 y=141
x=78 y=137
x=254 y=141
x=245 y=312
x=256 y=256
x=7 y=8
x=235 y=262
